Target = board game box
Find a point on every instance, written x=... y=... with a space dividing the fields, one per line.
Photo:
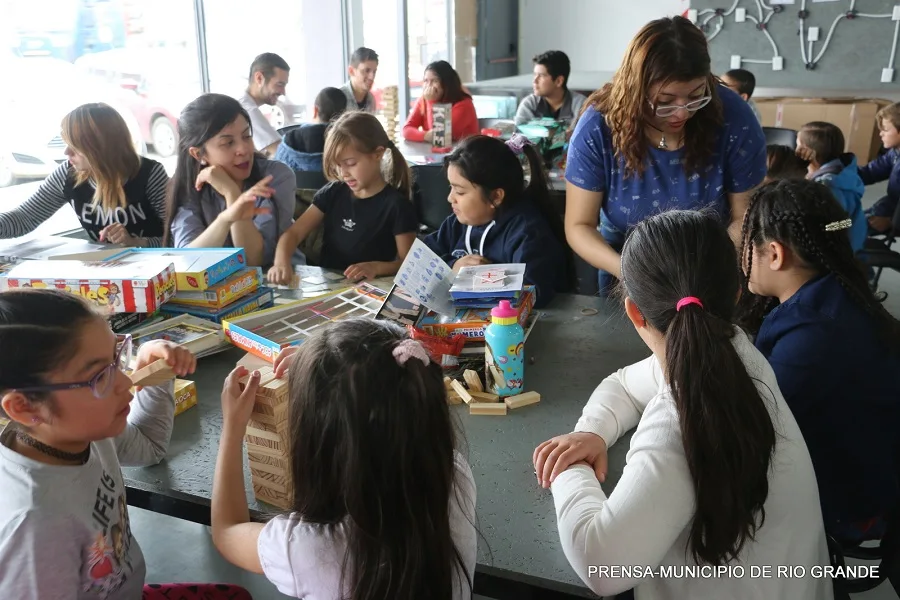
x=260 y=299
x=185 y=395
x=220 y=295
x=195 y=268
x=113 y=286
x=471 y=322
x=267 y=332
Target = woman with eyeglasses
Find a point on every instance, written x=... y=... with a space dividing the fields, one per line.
x=663 y=134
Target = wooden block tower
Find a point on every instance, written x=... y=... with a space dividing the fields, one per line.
x=391 y=111
x=267 y=441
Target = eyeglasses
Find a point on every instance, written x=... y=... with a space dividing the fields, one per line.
x=99 y=383
x=667 y=110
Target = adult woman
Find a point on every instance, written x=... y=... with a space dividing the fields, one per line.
x=662 y=134
x=441 y=85
x=118 y=196
x=223 y=193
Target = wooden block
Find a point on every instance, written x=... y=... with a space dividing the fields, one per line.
x=272 y=481
x=264 y=494
x=261 y=458
x=487 y=408
x=463 y=392
x=473 y=381
x=274 y=388
x=453 y=398
x=447 y=383
x=251 y=362
x=156 y=373
x=523 y=399
x=484 y=397
x=266 y=374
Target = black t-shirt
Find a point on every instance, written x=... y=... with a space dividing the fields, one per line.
x=362 y=229
x=308 y=138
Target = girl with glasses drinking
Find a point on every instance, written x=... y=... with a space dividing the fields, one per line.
x=64 y=526
x=663 y=134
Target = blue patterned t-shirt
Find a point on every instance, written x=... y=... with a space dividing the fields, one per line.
x=737 y=165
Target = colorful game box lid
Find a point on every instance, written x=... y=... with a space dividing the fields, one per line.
x=220 y=295
x=195 y=268
x=260 y=299
x=113 y=286
x=471 y=322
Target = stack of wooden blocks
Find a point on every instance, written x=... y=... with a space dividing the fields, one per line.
x=391 y=111
x=267 y=441
x=479 y=401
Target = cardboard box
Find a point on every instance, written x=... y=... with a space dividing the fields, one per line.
x=471 y=322
x=195 y=268
x=113 y=286
x=854 y=117
x=261 y=299
x=220 y=295
x=185 y=395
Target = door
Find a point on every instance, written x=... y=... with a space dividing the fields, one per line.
x=498 y=39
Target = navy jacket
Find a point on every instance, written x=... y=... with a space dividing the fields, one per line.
x=886 y=166
x=842 y=176
x=518 y=235
x=844 y=390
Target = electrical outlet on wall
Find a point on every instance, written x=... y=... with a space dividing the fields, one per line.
x=813 y=34
x=777 y=63
x=692 y=15
x=735 y=61
x=887 y=75
x=740 y=15
x=896 y=15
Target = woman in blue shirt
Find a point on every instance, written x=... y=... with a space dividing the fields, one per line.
x=663 y=134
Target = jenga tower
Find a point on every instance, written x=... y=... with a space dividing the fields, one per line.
x=267 y=441
x=391 y=106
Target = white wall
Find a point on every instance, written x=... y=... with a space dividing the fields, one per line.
x=322 y=38
x=594 y=33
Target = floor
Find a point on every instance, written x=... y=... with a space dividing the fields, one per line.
x=179 y=551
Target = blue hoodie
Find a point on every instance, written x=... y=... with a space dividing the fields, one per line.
x=519 y=234
x=301 y=149
x=841 y=175
x=886 y=166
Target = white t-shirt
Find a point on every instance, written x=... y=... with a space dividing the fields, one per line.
x=304 y=561
x=264 y=135
x=646 y=521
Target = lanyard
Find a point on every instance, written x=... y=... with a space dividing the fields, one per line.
x=483 y=237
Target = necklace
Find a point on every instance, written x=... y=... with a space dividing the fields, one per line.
x=662 y=145
x=77 y=457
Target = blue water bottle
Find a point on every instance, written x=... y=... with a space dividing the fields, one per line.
x=504 y=352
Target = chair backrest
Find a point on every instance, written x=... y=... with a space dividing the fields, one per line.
x=430 y=191
x=780 y=136
x=310 y=180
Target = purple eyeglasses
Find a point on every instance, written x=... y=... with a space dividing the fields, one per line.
x=99 y=383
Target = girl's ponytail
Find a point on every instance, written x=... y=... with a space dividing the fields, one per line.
x=400 y=175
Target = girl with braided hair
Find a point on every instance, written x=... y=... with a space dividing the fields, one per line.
x=834 y=348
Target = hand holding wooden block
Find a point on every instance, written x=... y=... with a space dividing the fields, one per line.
x=156 y=373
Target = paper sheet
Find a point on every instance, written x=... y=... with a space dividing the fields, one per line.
x=427 y=278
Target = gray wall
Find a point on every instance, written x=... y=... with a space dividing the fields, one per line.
x=854 y=59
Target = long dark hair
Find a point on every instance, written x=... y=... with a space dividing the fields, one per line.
x=665 y=50
x=450 y=81
x=783 y=163
x=365 y=434
x=726 y=429
x=795 y=213
x=200 y=121
x=37 y=329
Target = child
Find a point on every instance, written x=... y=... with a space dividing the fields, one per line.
x=783 y=163
x=885 y=167
x=833 y=346
x=369 y=222
x=118 y=196
x=223 y=193
x=302 y=147
x=64 y=528
x=441 y=85
x=822 y=144
x=717 y=473
x=383 y=505
x=497 y=218
x=743 y=83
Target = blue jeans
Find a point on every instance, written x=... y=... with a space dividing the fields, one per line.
x=606 y=281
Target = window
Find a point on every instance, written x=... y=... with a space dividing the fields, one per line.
x=380 y=34
x=428 y=39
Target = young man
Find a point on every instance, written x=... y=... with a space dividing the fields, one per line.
x=268 y=80
x=302 y=147
x=742 y=82
x=551 y=97
x=362 y=69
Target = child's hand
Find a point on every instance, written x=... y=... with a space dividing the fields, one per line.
x=429 y=136
x=117 y=234
x=805 y=153
x=284 y=361
x=470 y=260
x=280 y=275
x=178 y=357
x=558 y=454
x=360 y=271
x=237 y=405
x=881 y=224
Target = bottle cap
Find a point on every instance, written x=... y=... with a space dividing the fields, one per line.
x=504 y=314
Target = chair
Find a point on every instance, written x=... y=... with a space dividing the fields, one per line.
x=430 y=191
x=779 y=136
x=288 y=128
x=877 y=253
x=887 y=552
x=310 y=180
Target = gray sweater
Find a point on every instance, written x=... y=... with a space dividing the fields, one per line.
x=535 y=107
x=64 y=530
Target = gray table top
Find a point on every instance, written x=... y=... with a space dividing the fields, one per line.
x=572 y=353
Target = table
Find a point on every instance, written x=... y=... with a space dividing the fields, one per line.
x=522 y=557
x=520 y=86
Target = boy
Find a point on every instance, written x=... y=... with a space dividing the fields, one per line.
x=551 y=97
x=886 y=166
x=742 y=82
x=267 y=82
x=358 y=90
x=303 y=147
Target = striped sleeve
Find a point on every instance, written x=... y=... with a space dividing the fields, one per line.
x=42 y=205
x=157 y=184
